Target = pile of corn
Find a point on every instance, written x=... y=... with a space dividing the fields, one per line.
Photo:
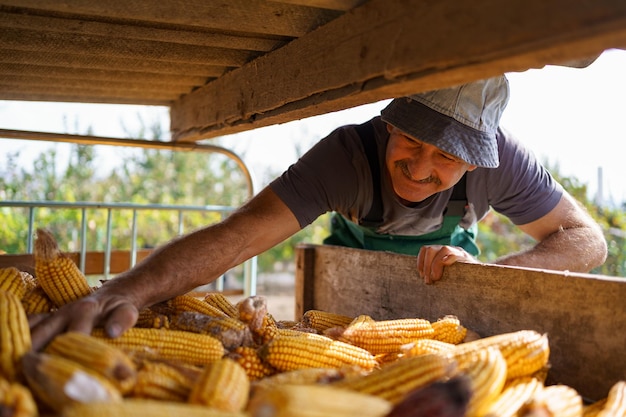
x=209 y=357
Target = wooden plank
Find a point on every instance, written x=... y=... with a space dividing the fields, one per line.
x=79 y=94
x=343 y=5
x=584 y=315
x=94 y=261
x=32 y=40
x=390 y=48
x=81 y=27
x=97 y=62
x=252 y=16
x=52 y=72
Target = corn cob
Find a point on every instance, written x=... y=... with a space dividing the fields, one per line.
x=447 y=398
x=322 y=320
x=16 y=400
x=174 y=345
x=165 y=381
x=253 y=312
x=224 y=385
x=486 y=371
x=15 y=281
x=525 y=351
x=315 y=401
x=58 y=382
x=593 y=409
x=314 y=351
x=95 y=354
x=144 y=407
x=57 y=274
x=183 y=303
x=150 y=319
x=381 y=336
x=616 y=401
x=308 y=376
x=395 y=380
x=231 y=332
x=423 y=346
x=36 y=301
x=219 y=301
x=249 y=359
x=449 y=329
x=514 y=395
x=554 y=400
x=14 y=335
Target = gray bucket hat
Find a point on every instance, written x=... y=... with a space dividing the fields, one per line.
x=460 y=120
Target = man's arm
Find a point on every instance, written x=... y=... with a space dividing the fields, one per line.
x=567 y=239
x=179 y=266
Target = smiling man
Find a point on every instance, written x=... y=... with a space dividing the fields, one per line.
x=415 y=180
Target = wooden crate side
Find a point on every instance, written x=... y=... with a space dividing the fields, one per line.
x=584 y=315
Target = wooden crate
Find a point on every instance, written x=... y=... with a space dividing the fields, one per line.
x=584 y=315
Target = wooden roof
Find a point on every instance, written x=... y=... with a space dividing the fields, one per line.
x=224 y=66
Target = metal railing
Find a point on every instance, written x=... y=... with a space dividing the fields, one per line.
x=249 y=267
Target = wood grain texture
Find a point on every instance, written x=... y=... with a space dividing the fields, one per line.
x=584 y=315
x=390 y=48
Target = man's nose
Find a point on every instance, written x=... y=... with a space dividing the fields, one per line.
x=420 y=167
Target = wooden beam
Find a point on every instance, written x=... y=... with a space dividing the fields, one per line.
x=390 y=48
x=251 y=16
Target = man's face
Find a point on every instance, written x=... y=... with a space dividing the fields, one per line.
x=418 y=169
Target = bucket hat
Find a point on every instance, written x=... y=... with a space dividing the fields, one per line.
x=460 y=120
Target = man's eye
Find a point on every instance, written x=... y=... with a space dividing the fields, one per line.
x=448 y=157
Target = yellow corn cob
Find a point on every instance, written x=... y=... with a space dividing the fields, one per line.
x=322 y=320
x=615 y=401
x=514 y=395
x=395 y=380
x=593 y=409
x=219 y=301
x=223 y=385
x=423 y=346
x=15 y=281
x=315 y=401
x=486 y=371
x=174 y=345
x=36 y=301
x=97 y=355
x=231 y=332
x=58 y=382
x=525 y=351
x=314 y=351
x=165 y=381
x=449 y=329
x=309 y=376
x=57 y=274
x=144 y=407
x=253 y=312
x=150 y=319
x=249 y=359
x=14 y=335
x=381 y=336
x=385 y=358
x=554 y=400
x=16 y=400
x=184 y=303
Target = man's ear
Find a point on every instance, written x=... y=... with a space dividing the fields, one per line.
x=471 y=168
x=389 y=127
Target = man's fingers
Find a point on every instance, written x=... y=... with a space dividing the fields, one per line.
x=84 y=314
x=45 y=330
x=121 y=319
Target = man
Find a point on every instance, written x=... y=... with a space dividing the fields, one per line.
x=415 y=180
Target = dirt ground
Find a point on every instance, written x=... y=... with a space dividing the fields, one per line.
x=279 y=291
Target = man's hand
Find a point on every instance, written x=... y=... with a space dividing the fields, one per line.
x=116 y=314
x=432 y=258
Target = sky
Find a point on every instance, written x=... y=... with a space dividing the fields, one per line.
x=573 y=118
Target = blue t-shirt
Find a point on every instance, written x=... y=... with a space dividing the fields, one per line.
x=334 y=175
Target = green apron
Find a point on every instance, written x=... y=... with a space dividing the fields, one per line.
x=347 y=233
